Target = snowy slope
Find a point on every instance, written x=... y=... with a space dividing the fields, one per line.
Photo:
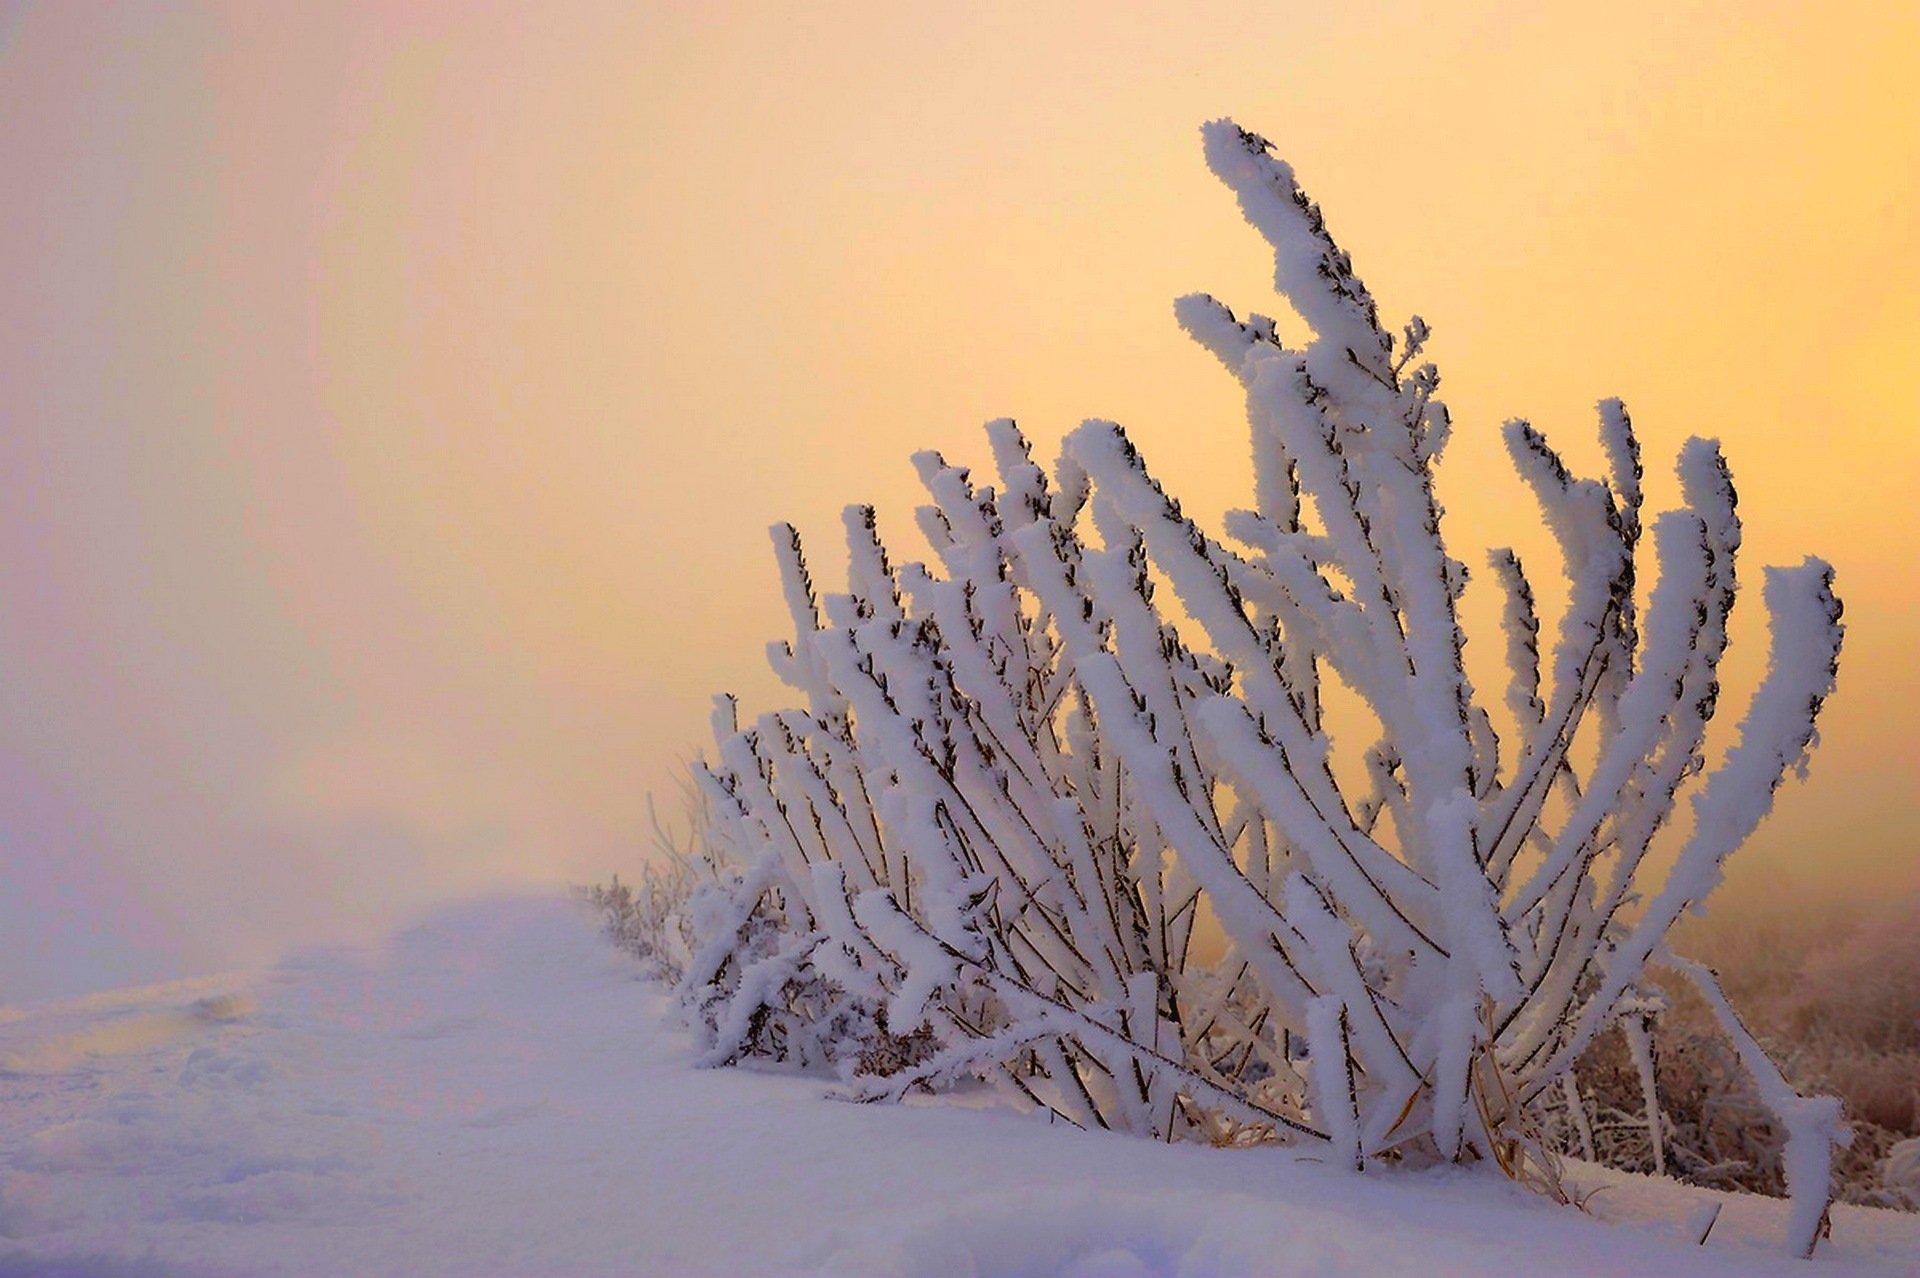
x=495 y=1094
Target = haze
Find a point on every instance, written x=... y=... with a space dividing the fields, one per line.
x=393 y=398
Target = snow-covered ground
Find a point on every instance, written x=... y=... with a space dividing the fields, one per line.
x=494 y=1093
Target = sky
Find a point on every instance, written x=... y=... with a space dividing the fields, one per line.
x=394 y=398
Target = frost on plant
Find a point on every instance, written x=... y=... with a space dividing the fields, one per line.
x=982 y=846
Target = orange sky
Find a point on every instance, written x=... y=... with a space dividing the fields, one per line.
x=395 y=396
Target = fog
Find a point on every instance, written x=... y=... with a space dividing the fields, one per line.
x=394 y=398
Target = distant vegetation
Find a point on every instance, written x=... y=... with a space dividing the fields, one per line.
x=1834 y=993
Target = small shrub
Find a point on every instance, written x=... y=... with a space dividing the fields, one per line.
x=653 y=919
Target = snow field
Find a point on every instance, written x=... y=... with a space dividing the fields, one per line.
x=495 y=1093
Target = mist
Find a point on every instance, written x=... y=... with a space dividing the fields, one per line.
x=395 y=397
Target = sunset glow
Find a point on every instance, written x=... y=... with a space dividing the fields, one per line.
x=396 y=396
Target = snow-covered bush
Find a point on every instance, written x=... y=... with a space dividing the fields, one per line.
x=1900 y=1172
x=645 y=918
x=1021 y=777
x=655 y=919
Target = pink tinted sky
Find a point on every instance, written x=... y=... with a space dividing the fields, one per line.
x=393 y=398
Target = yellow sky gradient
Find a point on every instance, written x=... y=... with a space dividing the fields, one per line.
x=396 y=396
